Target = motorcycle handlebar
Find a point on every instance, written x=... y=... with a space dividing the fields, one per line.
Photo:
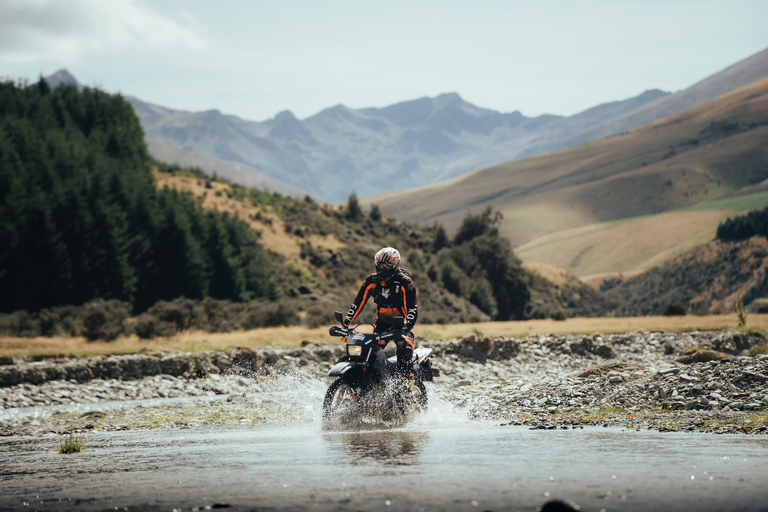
x=341 y=331
x=338 y=331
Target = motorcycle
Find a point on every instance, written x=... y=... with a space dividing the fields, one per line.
x=368 y=388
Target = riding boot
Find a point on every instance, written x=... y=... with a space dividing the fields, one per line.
x=404 y=358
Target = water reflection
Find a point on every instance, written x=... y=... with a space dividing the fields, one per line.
x=391 y=448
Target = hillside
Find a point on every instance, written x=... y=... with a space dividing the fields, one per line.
x=321 y=253
x=715 y=151
x=187 y=157
x=628 y=246
x=708 y=279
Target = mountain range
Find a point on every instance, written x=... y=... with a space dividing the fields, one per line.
x=409 y=144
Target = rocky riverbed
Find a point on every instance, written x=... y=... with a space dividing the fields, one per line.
x=636 y=380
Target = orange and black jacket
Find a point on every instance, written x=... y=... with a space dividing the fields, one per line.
x=395 y=296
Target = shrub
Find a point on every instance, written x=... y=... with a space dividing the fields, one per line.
x=558 y=315
x=61 y=321
x=183 y=313
x=441 y=238
x=454 y=280
x=148 y=327
x=261 y=314
x=105 y=319
x=317 y=317
x=675 y=309
x=354 y=211
x=375 y=213
x=19 y=323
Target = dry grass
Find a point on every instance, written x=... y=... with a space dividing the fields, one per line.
x=551 y=273
x=271 y=229
x=628 y=246
x=284 y=337
x=702 y=356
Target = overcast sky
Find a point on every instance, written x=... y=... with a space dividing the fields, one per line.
x=255 y=58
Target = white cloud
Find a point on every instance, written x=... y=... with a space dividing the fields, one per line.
x=69 y=31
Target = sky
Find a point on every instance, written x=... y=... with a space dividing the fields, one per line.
x=256 y=58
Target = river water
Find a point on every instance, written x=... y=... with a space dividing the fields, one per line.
x=440 y=461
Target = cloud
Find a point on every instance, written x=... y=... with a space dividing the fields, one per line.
x=71 y=30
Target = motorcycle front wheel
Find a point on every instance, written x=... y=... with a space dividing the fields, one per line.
x=339 y=404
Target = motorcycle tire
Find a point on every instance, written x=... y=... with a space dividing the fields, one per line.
x=420 y=395
x=338 y=392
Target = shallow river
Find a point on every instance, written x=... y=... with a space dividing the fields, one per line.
x=441 y=461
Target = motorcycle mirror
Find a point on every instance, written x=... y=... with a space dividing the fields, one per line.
x=339 y=317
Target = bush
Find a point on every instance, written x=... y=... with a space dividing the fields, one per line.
x=675 y=309
x=105 y=319
x=19 y=323
x=354 y=211
x=182 y=313
x=317 y=317
x=261 y=314
x=148 y=327
x=375 y=213
x=558 y=315
x=61 y=321
x=454 y=280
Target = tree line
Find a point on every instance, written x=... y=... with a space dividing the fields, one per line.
x=744 y=226
x=80 y=217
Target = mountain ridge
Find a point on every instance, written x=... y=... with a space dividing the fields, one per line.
x=412 y=143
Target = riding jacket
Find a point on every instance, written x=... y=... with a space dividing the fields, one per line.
x=394 y=296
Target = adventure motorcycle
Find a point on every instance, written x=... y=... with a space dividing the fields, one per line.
x=368 y=387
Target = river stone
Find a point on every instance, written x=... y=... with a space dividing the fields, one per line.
x=476 y=348
x=752 y=406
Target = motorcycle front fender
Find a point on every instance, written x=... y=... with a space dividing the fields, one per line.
x=340 y=369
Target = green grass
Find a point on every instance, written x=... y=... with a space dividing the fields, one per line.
x=754 y=201
x=72 y=444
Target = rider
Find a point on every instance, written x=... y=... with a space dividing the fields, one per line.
x=394 y=293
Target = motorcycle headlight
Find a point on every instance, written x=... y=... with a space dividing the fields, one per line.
x=354 y=350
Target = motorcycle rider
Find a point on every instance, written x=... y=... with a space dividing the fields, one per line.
x=394 y=293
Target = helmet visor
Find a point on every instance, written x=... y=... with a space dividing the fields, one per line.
x=385 y=269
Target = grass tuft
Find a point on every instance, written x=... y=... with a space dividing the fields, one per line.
x=72 y=444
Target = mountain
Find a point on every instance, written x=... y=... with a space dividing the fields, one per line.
x=414 y=143
x=63 y=77
x=369 y=150
x=715 y=151
x=410 y=144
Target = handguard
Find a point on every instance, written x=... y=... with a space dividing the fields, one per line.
x=338 y=331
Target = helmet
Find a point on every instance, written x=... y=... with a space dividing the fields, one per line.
x=387 y=262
